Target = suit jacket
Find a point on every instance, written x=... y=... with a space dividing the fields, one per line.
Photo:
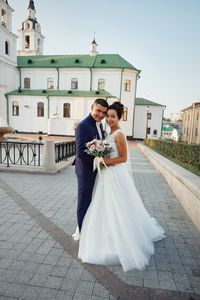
x=86 y=131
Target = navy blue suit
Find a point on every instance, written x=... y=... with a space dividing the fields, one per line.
x=86 y=131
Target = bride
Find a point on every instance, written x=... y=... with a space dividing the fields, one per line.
x=117 y=228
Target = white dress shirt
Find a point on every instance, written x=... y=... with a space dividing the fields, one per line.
x=99 y=130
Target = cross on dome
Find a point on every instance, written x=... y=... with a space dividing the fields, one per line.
x=31 y=5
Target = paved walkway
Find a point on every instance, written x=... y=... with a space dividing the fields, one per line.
x=38 y=258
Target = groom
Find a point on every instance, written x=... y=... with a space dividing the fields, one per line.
x=88 y=129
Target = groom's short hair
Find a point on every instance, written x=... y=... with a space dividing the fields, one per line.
x=101 y=101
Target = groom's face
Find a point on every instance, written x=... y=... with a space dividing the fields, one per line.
x=98 y=112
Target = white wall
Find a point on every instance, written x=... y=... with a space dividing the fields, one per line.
x=141 y=123
x=83 y=76
x=27 y=121
x=38 y=78
x=112 y=80
x=8 y=81
x=156 y=121
x=8 y=62
x=11 y=57
x=128 y=99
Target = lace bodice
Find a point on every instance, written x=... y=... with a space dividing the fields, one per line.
x=111 y=139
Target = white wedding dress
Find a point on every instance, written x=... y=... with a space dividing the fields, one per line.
x=117 y=228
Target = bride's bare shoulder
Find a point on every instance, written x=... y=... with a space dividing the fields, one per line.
x=119 y=136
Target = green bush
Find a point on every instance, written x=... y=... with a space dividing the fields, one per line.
x=185 y=153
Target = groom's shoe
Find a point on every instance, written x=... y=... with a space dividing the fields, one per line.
x=76 y=234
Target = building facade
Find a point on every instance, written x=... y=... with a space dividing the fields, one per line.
x=191 y=124
x=9 y=77
x=148 y=119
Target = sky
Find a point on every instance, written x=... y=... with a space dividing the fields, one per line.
x=161 y=38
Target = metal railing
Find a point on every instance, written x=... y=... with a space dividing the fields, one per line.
x=20 y=153
x=64 y=150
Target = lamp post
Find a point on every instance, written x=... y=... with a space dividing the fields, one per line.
x=147 y=111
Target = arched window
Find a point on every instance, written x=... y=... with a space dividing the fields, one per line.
x=74 y=84
x=125 y=114
x=27 y=83
x=101 y=84
x=28 y=26
x=6 y=48
x=27 y=41
x=15 y=108
x=66 y=110
x=40 y=109
x=50 y=83
x=38 y=43
x=3 y=17
x=127 y=85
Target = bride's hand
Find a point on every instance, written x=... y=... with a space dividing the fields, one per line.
x=107 y=161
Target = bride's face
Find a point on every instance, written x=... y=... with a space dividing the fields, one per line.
x=111 y=118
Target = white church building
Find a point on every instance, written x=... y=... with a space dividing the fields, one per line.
x=52 y=93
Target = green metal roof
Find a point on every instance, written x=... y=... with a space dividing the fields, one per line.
x=142 y=101
x=168 y=128
x=60 y=93
x=74 y=61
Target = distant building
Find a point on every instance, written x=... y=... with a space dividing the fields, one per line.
x=152 y=113
x=191 y=124
x=176 y=134
x=167 y=132
x=176 y=117
x=171 y=132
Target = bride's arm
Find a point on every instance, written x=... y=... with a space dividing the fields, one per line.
x=122 y=151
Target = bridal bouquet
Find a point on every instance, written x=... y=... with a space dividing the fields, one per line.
x=98 y=149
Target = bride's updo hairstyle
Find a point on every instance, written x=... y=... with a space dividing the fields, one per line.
x=118 y=107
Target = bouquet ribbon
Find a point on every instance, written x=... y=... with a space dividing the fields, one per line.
x=97 y=162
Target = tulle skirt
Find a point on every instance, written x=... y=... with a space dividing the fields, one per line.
x=117 y=228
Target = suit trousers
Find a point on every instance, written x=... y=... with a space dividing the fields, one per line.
x=85 y=188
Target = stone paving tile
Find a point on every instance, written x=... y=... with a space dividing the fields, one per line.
x=51 y=259
x=31 y=267
x=78 y=296
x=100 y=291
x=13 y=289
x=59 y=271
x=69 y=285
x=47 y=293
x=30 y=293
x=24 y=277
x=64 y=261
x=39 y=280
x=85 y=287
x=85 y=275
x=17 y=265
x=53 y=282
x=100 y=298
x=63 y=295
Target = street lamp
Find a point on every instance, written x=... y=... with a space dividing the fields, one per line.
x=147 y=111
